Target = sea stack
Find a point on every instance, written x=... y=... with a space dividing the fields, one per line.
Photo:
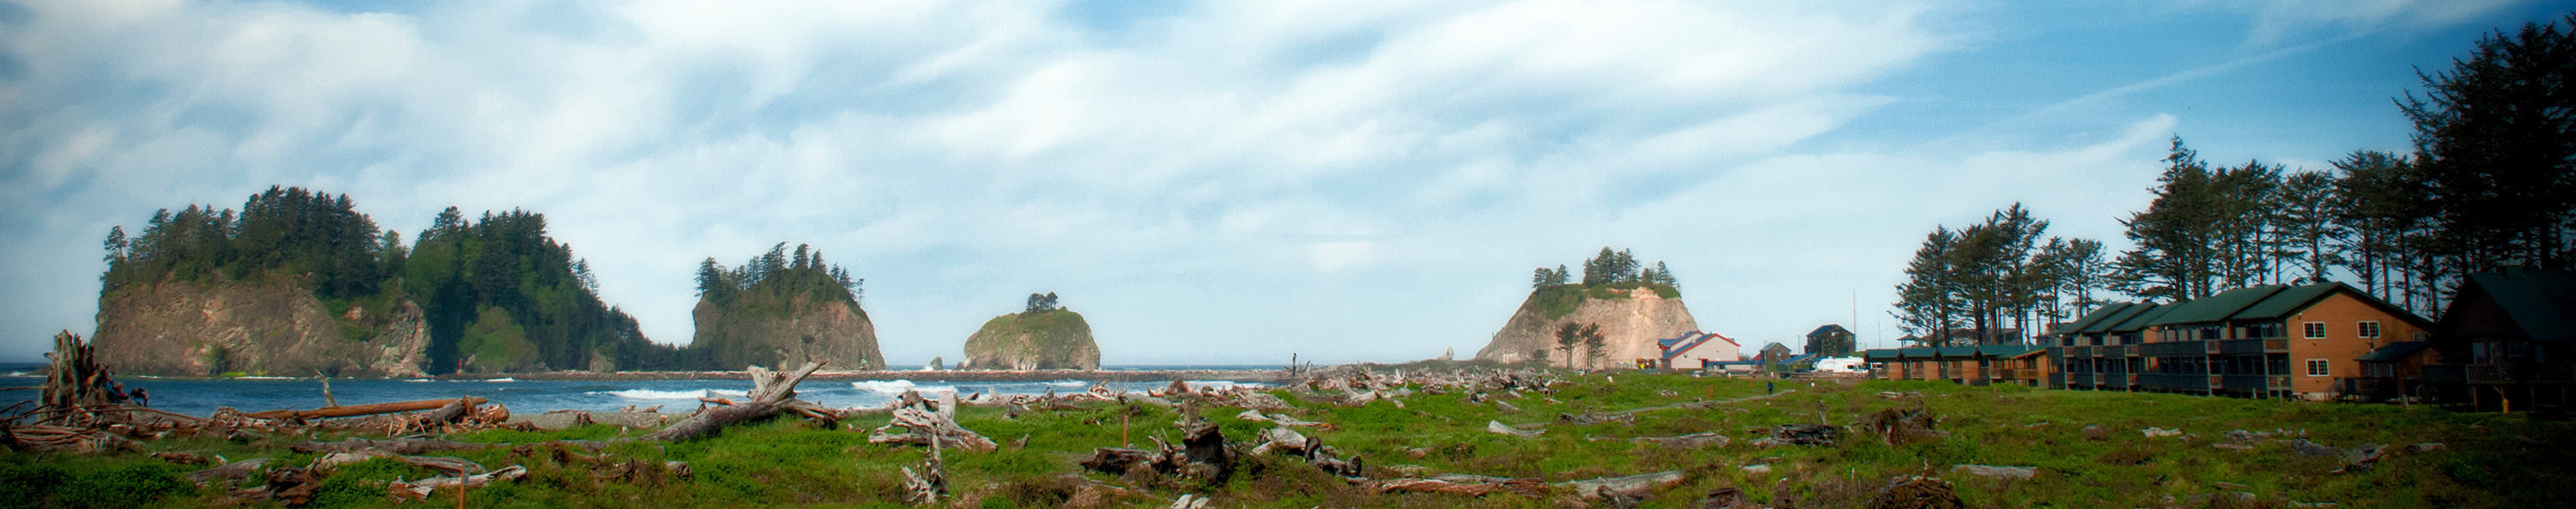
x=779 y=311
x=1630 y=304
x=1043 y=337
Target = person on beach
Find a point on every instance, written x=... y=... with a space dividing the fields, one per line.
x=116 y=392
x=141 y=398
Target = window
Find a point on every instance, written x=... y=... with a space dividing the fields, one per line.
x=2315 y=330
x=2370 y=329
x=2319 y=367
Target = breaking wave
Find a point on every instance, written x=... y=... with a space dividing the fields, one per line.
x=898 y=386
x=654 y=394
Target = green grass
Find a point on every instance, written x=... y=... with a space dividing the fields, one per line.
x=792 y=462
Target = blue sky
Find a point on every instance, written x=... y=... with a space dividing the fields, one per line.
x=1223 y=182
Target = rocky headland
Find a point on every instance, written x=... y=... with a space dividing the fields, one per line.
x=272 y=328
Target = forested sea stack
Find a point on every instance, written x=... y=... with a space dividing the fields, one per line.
x=1045 y=336
x=1609 y=320
x=300 y=284
x=780 y=309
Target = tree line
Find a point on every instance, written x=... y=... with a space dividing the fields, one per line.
x=1608 y=268
x=457 y=271
x=1979 y=277
x=777 y=277
x=2491 y=183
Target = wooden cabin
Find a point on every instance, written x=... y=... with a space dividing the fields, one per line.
x=2507 y=341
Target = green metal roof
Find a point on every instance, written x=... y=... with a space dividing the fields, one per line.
x=2542 y=303
x=2287 y=301
x=2393 y=352
x=2216 y=307
x=2098 y=316
x=2146 y=314
x=1948 y=352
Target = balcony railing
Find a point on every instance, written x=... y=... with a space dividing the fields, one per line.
x=2080 y=379
x=2490 y=373
x=2554 y=373
x=2173 y=349
x=2252 y=346
x=2173 y=381
x=2255 y=383
x=2017 y=374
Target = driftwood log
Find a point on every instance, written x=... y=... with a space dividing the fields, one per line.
x=1624 y=488
x=1202 y=455
x=1462 y=484
x=772 y=393
x=929 y=423
x=1690 y=441
x=372 y=409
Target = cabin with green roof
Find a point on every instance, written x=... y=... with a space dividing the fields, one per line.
x=2506 y=342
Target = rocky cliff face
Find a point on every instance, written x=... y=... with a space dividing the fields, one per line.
x=1057 y=339
x=270 y=329
x=788 y=335
x=1632 y=320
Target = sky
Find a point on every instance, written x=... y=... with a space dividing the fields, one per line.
x=1228 y=182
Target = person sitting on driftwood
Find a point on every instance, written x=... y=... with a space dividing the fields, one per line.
x=141 y=398
x=116 y=392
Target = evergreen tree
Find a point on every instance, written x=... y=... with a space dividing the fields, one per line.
x=2498 y=142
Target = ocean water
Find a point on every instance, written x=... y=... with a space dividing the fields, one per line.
x=201 y=397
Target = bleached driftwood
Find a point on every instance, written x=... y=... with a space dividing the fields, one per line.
x=772 y=393
x=1690 y=441
x=935 y=426
x=1630 y=487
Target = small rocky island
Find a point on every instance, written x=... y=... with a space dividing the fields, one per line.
x=782 y=309
x=1045 y=336
x=1623 y=303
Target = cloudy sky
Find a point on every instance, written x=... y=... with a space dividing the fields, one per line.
x=1220 y=182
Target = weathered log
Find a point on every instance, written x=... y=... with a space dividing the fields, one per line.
x=413 y=446
x=771 y=393
x=1460 y=484
x=1630 y=487
x=1690 y=441
x=926 y=422
x=367 y=409
x=1800 y=434
x=420 y=490
x=1499 y=428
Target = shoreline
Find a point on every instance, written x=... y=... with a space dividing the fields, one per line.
x=1255 y=375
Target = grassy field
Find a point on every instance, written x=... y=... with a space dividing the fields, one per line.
x=2486 y=460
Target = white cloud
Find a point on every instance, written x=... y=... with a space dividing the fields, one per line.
x=1362 y=180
